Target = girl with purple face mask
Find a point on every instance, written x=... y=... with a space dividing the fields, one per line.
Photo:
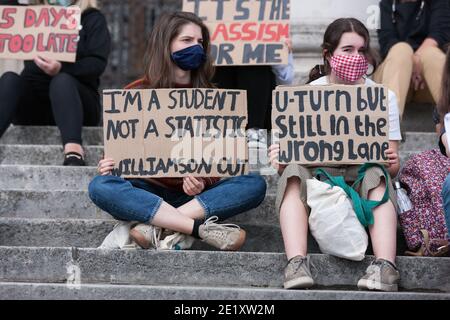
x=347 y=54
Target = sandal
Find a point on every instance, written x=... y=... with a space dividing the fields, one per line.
x=425 y=249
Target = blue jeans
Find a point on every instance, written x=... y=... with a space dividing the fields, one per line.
x=139 y=200
x=446 y=202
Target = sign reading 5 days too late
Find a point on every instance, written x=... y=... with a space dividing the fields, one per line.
x=28 y=31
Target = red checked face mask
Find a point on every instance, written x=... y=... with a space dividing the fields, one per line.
x=349 y=68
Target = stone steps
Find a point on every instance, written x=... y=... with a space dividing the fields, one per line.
x=48 y=204
x=48 y=224
x=53 y=291
x=43 y=155
x=77 y=205
x=48 y=135
x=202 y=268
x=34 y=212
x=93 y=136
x=38 y=177
x=50 y=155
x=262 y=236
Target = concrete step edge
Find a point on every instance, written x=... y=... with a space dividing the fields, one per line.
x=18 y=290
x=258 y=269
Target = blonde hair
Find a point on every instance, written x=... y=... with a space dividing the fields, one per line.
x=86 y=4
x=83 y=4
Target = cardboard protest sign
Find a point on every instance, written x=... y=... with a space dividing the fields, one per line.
x=245 y=32
x=331 y=124
x=176 y=132
x=49 y=31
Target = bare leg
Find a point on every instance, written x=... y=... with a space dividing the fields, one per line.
x=168 y=217
x=193 y=209
x=383 y=232
x=294 y=221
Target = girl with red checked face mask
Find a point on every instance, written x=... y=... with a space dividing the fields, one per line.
x=347 y=55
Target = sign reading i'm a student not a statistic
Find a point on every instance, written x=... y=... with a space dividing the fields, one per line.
x=176 y=132
x=49 y=31
x=245 y=32
x=334 y=124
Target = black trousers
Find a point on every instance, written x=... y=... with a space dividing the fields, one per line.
x=61 y=100
x=259 y=81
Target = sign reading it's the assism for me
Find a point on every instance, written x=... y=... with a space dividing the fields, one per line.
x=176 y=132
x=331 y=124
x=245 y=32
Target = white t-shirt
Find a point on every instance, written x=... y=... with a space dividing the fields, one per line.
x=394 y=116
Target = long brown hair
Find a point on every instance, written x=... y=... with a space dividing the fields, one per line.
x=157 y=60
x=444 y=101
x=331 y=40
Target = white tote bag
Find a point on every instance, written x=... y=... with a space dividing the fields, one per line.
x=333 y=222
x=119 y=237
x=176 y=241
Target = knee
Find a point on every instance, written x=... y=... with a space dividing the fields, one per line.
x=259 y=185
x=293 y=183
x=255 y=186
x=61 y=81
x=101 y=186
x=401 y=53
x=375 y=183
x=9 y=77
x=401 y=50
x=293 y=190
x=431 y=54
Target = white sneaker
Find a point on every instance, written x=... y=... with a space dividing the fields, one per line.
x=176 y=241
x=228 y=237
x=119 y=237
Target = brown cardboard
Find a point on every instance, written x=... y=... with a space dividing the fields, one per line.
x=156 y=114
x=48 y=31
x=242 y=29
x=306 y=125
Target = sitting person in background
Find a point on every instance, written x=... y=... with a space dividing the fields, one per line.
x=412 y=38
x=49 y=92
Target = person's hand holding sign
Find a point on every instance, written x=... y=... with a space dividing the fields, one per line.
x=288 y=42
x=105 y=166
x=49 y=66
x=274 y=152
x=193 y=186
x=417 y=79
x=393 y=160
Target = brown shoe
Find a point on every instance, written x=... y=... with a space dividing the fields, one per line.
x=228 y=237
x=146 y=236
x=297 y=274
x=380 y=275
